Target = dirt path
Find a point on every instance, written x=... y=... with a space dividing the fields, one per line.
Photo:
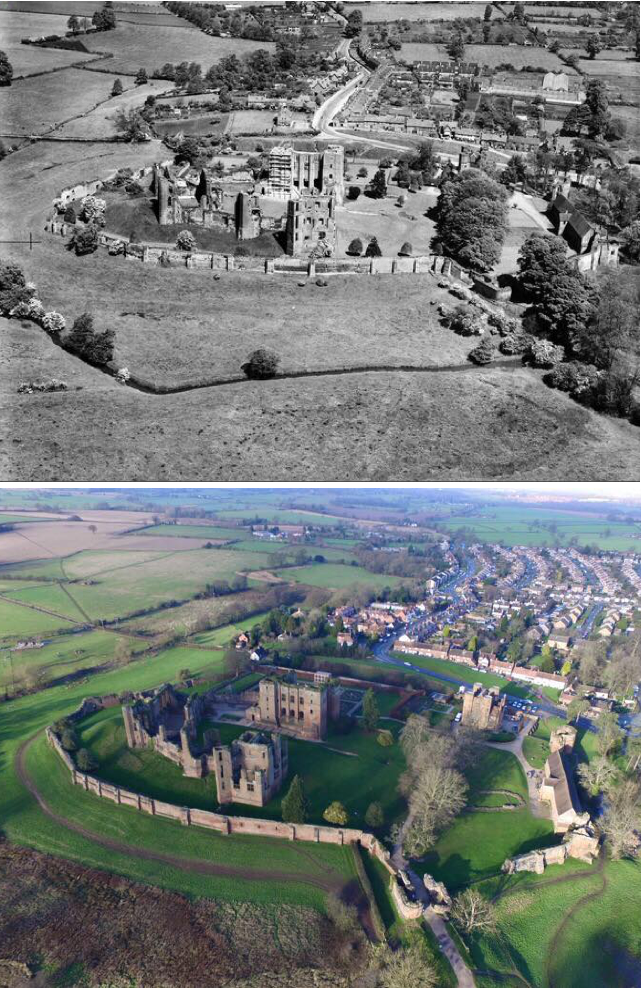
x=73 y=600
x=329 y=881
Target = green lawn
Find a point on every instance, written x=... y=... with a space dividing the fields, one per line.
x=599 y=946
x=477 y=844
x=224 y=636
x=328 y=775
x=463 y=673
x=24 y=823
x=335 y=576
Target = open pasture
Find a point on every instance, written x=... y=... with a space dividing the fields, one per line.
x=51 y=597
x=215 y=609
x=284 y=516
x=420 y=11
x=150 y=45
x=490 y=55
x=203 y=531
x=60 y=538
x=62 y=657
x=516 y=526
x=334 y=576
x=19 y=621
x=28 y=59
x=30 y=106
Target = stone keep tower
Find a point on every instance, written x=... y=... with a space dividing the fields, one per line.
x=333 y=172
x=310 y=220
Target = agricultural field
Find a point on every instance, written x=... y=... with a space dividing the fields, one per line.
x=27 y=59
x=214 y=532
x=477 y=844
x=29 y=107
x=62 y=658
x=420 y=11
x=334 y=576
x=150 y=45
x=515 y=526
x=489 y=55
x=622 y=78
x=283 y=516
x=18 y=621
x=212 y=123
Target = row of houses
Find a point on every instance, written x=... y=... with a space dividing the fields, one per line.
x=483 y=661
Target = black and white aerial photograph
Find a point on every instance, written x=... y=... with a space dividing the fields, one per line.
x=378 y=241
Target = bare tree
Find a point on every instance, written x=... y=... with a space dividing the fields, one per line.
x=622 y=819
x=633 y=752
x=609 y=734
x=596 y=776
x=471 y=911
x=408 y=966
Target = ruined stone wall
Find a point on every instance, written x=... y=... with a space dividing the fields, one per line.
x=217 y=821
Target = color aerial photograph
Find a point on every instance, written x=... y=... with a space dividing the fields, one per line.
x=320 y=737
x=327 y=241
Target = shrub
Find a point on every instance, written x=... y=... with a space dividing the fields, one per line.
x=484 y=353
x=261 y=364
x=406 y=250
x=13 y=287
x=85 y=240
x=504 y=324
x=353 y=192
x=70 y=214
x=30 y=387
x=336 y=813
x=83 y=339
x=465 y=322
x=385 y=738
x=374 y=816
x=185 y=240
x=134 y=189
x=53 y=322
x=542 y=353
x=373 y=249
x=514 y=343
x=117 y=247
x=355 y=248
x=85 y=760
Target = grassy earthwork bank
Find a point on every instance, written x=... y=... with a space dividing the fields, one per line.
x=463 y=673
x=25 y=823
x=351 y=768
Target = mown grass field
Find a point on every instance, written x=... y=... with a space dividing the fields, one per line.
x=477 y=844
x=463 y=673
x=334 y=576
x=489 y=55
x=521 y=526
x=24 y=823
x=27 y=59
x=194 y=531
x=50 y=597
x=367 y=772
x=586 y=924
x=283 y=515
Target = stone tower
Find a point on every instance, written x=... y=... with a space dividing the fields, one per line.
x=333 y=171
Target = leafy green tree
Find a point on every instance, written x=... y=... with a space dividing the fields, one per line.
x=374 y=816
x=73 y=24
x=355 y=248
x=117 y=88
x=85 y=760
x=472 y=219
x=294 y=805
x=370 y=710
x=68 y=739
x=141 y=77
x=261 y=364
x=336 y=813
x=378 y=185
x=354 y=24
x=593 y=46
x=456 y=48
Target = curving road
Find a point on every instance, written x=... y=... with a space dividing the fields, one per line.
x=329 y=881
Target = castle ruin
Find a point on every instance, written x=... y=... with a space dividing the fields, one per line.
x=298 y=199
x=298 y=708
x=249 y=770
x=483 y=708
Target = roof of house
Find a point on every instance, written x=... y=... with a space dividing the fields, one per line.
x=560 y=777
x=580 y=225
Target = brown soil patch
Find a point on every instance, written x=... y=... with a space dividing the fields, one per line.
x=103 y=927
x=265 y=576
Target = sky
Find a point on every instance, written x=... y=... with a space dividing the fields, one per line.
x=608 y=493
